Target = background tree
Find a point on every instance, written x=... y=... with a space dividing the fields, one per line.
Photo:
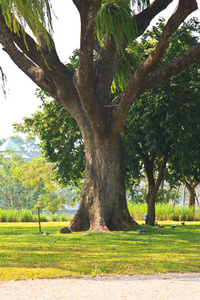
x=164 y=122
x=38 y=175
x=186 y=170
x=25 y=185
x=13 y=194
x=60 y=139
x=86 y=94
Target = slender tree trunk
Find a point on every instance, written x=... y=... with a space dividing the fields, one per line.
x=183 y=196
x=103 y=203
x=191 y=186
x=151 y=200
x=153 y=184
x=177 y=191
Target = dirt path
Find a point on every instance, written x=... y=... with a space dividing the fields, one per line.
x=154 y=287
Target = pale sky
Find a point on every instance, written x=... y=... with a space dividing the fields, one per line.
x=21 y=101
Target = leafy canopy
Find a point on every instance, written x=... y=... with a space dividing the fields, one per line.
x=165 y=121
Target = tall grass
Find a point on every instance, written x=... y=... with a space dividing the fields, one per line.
x=28 y=216
x=166 y=212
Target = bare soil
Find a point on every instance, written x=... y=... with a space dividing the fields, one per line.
x=154 y=287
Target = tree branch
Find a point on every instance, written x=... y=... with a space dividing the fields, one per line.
x=148 y=165
x=41 y=65
x=43 y=56
x=144 y=18
x=161 y=169
x=171 y=68
x=27 y=66
x=105 y=68
x=130 y=93
x=84 y=79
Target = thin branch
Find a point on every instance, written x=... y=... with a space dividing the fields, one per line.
x=45 y=58
x=144 y=18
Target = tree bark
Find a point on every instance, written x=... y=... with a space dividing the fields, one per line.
x=151 y=200
x=103 y=202
x=191 y=186
x=153 y=184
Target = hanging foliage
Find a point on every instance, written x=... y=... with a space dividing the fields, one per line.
x=113 y=16
x=34 y=14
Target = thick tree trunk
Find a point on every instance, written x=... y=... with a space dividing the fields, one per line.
x=103 y=203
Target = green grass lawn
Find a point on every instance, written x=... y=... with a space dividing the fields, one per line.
x=26 y=253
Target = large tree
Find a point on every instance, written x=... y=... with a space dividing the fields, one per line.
x=86 y=94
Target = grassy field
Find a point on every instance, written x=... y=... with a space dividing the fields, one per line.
x=26 y=253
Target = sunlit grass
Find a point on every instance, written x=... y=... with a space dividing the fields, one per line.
x=26 y=253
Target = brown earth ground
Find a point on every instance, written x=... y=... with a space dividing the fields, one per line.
x=155 y=287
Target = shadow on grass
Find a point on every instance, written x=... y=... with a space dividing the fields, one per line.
x=77 y=254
